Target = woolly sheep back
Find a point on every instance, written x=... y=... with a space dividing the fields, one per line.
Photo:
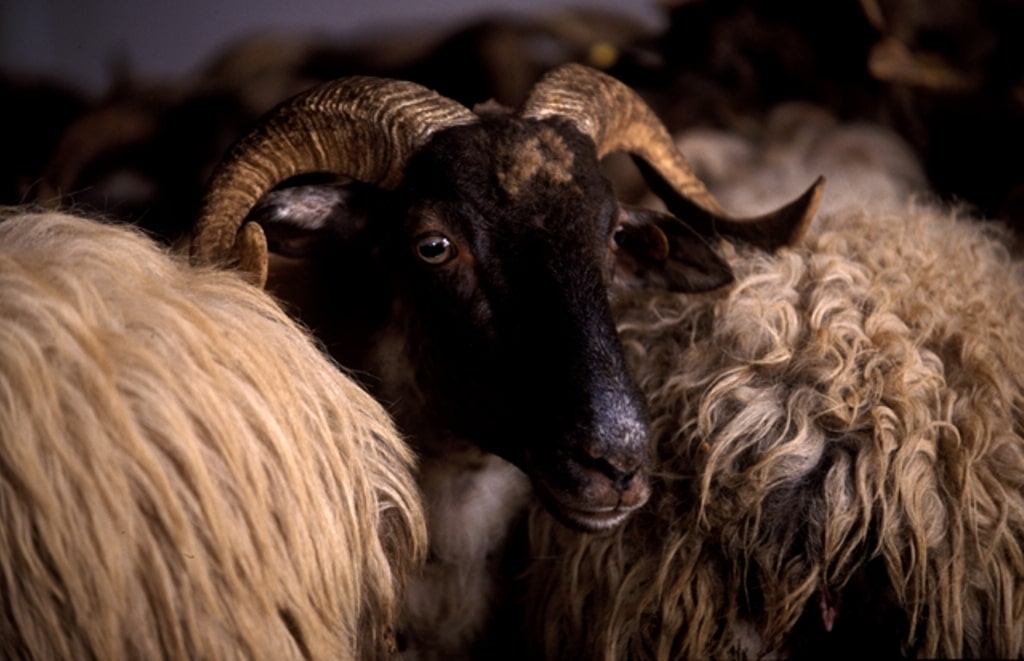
x=182 y=473
x=841 y=448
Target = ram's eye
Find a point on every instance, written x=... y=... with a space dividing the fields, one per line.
x=434 y=248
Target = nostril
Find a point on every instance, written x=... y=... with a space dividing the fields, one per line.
x=620 y=478
x=599 y=485
x=623 y=481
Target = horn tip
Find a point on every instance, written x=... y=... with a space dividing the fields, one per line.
x=247 y=251
x=808 y=202
x=251 y=249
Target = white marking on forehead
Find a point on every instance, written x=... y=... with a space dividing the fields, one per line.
x=544 y=154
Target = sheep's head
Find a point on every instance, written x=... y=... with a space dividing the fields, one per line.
x=498 y=239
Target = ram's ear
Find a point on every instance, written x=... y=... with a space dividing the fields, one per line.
x=655 y=249
x=319 y=237
x=306 y=220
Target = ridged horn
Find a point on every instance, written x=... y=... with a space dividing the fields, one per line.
x=617 y=119
x=361 y=127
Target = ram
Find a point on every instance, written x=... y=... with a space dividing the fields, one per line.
x=840 y=434
x=183 y=473
x=465 y=275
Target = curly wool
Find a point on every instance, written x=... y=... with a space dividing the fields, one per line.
x=845 y=424
x=183 y=474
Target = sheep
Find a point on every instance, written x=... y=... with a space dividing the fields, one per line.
x=840 y=434
x=183 y=473
x=465 y=276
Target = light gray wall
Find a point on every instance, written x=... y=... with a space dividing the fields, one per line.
x=83 y=40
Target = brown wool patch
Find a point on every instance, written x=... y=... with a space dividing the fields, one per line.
x=544 y=154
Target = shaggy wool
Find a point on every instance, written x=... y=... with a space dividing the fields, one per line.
x=183 y=474
x=840 y=457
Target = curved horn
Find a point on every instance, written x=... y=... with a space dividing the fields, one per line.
x=617 y=119
x=362 y=127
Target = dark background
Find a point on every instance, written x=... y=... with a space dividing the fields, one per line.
x=125 y=107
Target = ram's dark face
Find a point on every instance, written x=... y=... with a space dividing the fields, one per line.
x=473 y=283
x=508 y=263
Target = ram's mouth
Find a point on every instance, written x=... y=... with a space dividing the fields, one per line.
x=591 y=520
x=586 y=500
